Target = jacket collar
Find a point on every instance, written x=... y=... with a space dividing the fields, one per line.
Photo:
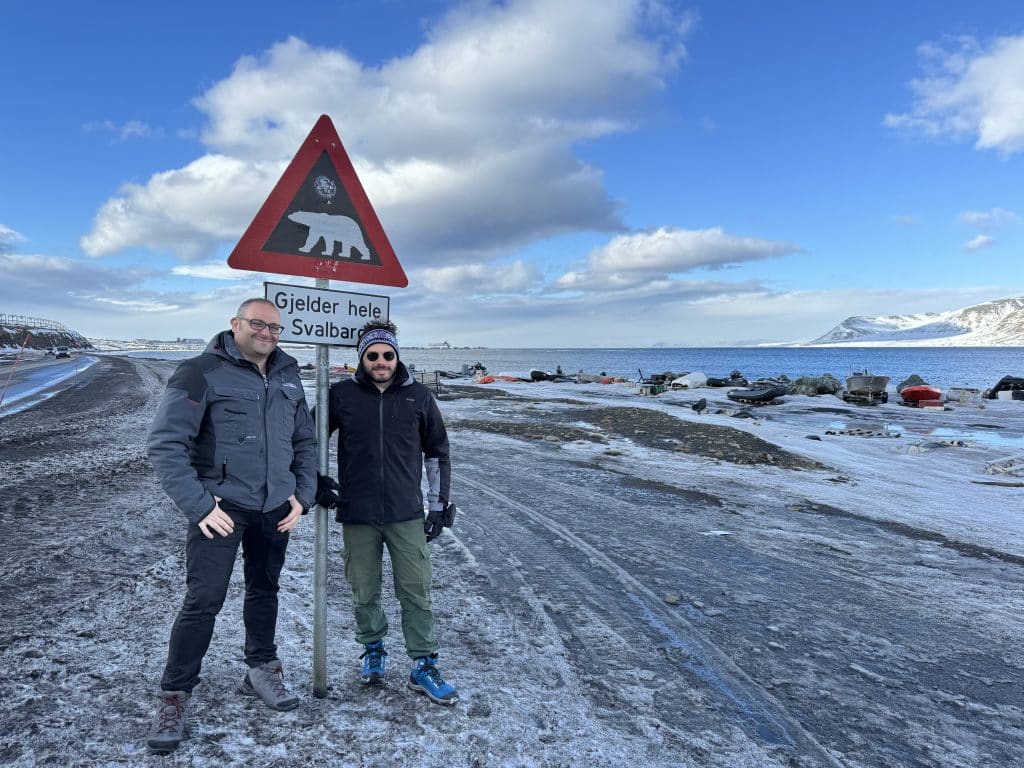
x=223 y=345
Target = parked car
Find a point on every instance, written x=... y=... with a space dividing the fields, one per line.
x=60 y=352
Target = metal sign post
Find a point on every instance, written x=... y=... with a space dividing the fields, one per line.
x=320 y=542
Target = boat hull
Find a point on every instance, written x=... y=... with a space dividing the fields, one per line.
x=865 y=385
x=920 y=392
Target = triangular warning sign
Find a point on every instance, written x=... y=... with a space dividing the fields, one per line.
x=318 y=222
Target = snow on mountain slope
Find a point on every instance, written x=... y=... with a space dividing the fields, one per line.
x=994 y=323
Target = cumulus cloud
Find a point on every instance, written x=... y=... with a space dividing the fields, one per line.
x=488 y=279
x=186 y=211
x=969 y=90
x=630 y=260
x=979 y=242
x=465 y=146
x=9 y=239
x=63 y=281
x=994 y=217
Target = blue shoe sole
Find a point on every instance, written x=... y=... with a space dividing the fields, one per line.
x=443 y=702
x=372 y=681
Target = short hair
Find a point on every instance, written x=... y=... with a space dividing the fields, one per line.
x=249 y=302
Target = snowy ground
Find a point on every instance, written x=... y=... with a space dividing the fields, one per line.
x=628 y=582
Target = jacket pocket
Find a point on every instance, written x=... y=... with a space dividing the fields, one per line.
x=286 y=403
x=235 y=415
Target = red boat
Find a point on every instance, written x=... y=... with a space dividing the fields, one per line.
x=920 y=392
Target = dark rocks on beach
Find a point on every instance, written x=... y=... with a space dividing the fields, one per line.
x=826 y=384
x=641 y=426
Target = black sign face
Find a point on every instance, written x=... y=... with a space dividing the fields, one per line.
x=321 y=222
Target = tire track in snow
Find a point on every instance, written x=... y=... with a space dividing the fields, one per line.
x=740 y=699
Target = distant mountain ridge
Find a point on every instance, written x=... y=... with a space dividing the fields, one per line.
x=998 y=323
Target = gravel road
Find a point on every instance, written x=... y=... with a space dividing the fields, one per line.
x=590 y=616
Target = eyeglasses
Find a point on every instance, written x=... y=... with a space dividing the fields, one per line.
x=259 y=325
x=372 y=356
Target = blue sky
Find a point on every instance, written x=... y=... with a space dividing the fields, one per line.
x=550 y=173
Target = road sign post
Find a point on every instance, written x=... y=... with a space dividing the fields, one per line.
x=318 y=222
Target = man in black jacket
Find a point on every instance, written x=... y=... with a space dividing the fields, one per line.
x=389 y=427
x=234 y=447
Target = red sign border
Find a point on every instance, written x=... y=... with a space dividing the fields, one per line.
x=249 y=253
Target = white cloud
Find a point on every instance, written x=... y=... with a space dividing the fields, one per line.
x=467 y=279
x=136 y=129
x=465 y=146
x=61 y=281
x=979 y=242
x=994 y=217
x=211 y=270
x=970 y=91
x=9 y=239
x=631 y=260
x=186 y=211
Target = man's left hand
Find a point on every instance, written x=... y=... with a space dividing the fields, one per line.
x=437 y=520
x=292 y=519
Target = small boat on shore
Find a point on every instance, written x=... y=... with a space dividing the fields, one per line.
x=765 y=391
x=1007 y=388
x=866 y=388
x=866 y=384
x=735 y=380
x=689 y=381
x=919 y=392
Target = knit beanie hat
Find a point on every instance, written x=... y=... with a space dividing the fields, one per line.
x=378 y=336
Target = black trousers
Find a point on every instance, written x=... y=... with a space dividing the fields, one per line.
x=209 y=563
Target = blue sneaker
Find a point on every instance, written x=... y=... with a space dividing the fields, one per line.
x=426 y=678
x=374 y=663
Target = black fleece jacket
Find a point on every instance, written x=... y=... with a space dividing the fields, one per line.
x=384 y=441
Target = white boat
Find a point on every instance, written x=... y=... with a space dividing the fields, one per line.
x=690 y=381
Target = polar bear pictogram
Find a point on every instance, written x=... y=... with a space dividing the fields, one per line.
x=331 y=229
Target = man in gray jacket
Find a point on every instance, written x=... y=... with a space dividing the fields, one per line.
x=234 y=447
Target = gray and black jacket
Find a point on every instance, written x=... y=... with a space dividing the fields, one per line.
x=384 y=441
x=224 y=430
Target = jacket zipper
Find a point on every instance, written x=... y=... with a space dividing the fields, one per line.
x=380 y=436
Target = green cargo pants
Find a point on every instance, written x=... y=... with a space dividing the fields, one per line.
x=410 y=565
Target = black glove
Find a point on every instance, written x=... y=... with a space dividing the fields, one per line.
x=438 y=520
x=326 y=491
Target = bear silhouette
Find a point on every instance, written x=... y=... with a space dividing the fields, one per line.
x=331 y=229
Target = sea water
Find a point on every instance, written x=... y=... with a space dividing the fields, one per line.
x=943 y=367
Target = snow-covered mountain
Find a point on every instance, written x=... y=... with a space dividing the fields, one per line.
x=994 y=323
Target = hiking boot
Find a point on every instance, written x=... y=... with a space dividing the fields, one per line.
x=374 y=663
x=267 y=682
x=168 y=727
x=426 y=678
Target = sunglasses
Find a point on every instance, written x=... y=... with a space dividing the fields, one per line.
x=372 y=356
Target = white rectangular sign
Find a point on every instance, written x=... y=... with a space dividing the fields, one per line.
x=318 y=316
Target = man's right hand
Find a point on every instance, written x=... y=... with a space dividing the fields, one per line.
x=218 y=520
